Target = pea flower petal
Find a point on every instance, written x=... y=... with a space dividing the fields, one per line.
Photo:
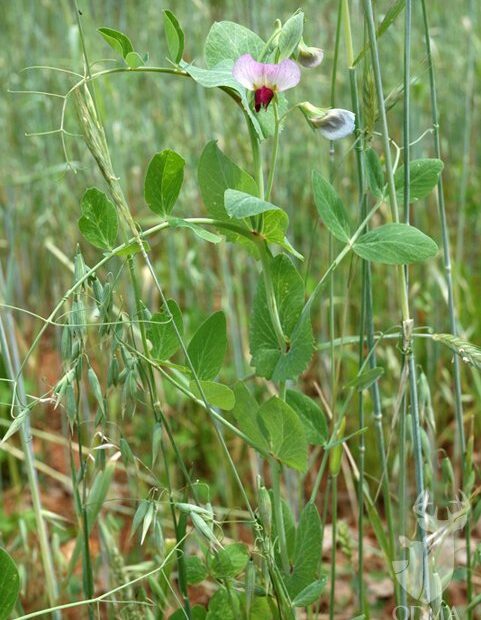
x=333 y=124
x=336 y=124
x=265 y=79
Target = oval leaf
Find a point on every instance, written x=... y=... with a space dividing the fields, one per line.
x=310 y=593
x=395 y=244
x=161 y=332
x=267 y=357
x=330 y=208
x=218 y=173
x=230 y=561
x=99 y=222
x=311 y=416
x=366 y=379
x=208 y=346
x=163 y=181
x=239 y=204
x=217 y=395
x=228 y=41
x=117 y=40
x=287 y=439
x=9 y=584
x=423 y=178
x=174 y=35
x=290 y=35
x=307 y=553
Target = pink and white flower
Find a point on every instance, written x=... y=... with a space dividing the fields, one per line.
x=334 y=123
x=265 y=79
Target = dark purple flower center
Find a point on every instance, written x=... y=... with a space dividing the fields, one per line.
x=262 y=97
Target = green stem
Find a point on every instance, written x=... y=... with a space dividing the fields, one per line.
x=453 y=324
x=467 y=132
x=271 y=297
x=12 y=362
x=275 y=151
x=276 y=470
x=332 y=592
x=403 y=289
x=337 y=261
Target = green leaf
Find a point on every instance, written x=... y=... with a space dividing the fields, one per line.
x=163 y=181
x=196 y=570
x=139 y=515
x=423 y=178
x=217 y=395
x=161 y=332
x=395 y=244
x=267 y=357
x=208 y=346
x=218 y=173
x=290 y=35
x=117 y=40
x=224 y=605
x=174 y=35
x=228 y=41
x=99 y=223
x=201 y=233
x=16 y=424
x=287 y=439
x=230 y=561
x=366 y=379
x=375 y=174
x=330 y=208
x=198 y=613
x=307 y=553
x=9 y=584
x=220 y=75
x=134 y=60
x=310 y=593
x=239 y=204
x=311 y=416
x=246 y=416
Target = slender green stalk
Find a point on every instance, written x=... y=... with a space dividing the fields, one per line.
x=276 y=470
x=12 y=362
x=275 y=151
x=271 y=298
x=332 y=592
x=403 y=290
x=453 y=324
x=362 y=321
x=468 y=128
x=331 y=322
x=406 y=205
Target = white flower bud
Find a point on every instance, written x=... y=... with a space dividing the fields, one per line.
x=333 y=124
x=309 y=57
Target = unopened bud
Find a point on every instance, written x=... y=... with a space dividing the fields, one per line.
x=265 y=508
x=335 y=456
x=333 y=124
x=309 y=57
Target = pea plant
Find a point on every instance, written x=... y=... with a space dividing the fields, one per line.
x=261 y=556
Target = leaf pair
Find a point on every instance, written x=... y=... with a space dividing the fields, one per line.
x=99 y=222
x=121 y=43
x=206 y=350
x=278 y=429
x=230 y=193
x=393 y=244
x=269 y=359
